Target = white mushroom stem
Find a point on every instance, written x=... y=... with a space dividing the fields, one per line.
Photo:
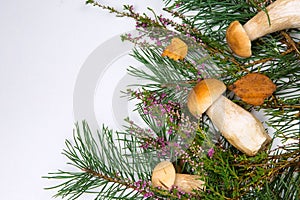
x=187 y=183
x=164 y=176
x=242 y=129
x=283 y=14
x=280 y=15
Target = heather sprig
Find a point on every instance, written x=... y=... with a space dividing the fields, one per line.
x=172 y=132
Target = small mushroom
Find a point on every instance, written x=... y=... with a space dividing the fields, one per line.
x=164 y=176
x=282 y=14
x=242 y=129
x=177 y=50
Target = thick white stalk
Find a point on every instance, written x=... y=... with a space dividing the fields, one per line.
x=242 y=129
x=187 y=182
x=283 y=14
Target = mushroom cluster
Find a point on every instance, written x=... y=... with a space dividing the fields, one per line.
x=165 y=177
x=280 y=15
x=242 y=129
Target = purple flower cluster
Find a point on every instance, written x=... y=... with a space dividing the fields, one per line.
x=165 y=114
x=164 y=21
x=156 y=143
x=175 y=190
x=144 y=188
x=193 y=156
x=211 y=152
x=175 y=131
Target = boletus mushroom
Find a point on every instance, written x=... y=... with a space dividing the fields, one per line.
x=280 y=15
x=165 y=176
x=242 y=129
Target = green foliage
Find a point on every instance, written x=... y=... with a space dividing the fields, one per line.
x=103 y=170
x=110 y=164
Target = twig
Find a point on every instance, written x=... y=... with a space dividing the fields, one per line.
x=290 y=41
x=268 y=59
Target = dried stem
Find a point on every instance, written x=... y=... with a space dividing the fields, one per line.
x=290 y=41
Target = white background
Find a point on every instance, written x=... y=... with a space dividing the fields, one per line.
x=43 y=45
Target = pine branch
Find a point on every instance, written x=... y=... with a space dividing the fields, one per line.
x=102 y=171
x=168 y=76
x=108 y=172
x=208 y=22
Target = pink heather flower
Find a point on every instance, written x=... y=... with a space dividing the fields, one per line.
x=145 y=146
x=137 y=183
x=158 y=43
x=148 y=194
x=211 y=152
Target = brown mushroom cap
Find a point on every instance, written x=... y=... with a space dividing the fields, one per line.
x=238 y=40
x=163 y=175
x=203 y=95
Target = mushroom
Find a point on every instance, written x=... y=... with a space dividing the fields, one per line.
x=242 y=129
x=165 y=176
x=282 y=14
